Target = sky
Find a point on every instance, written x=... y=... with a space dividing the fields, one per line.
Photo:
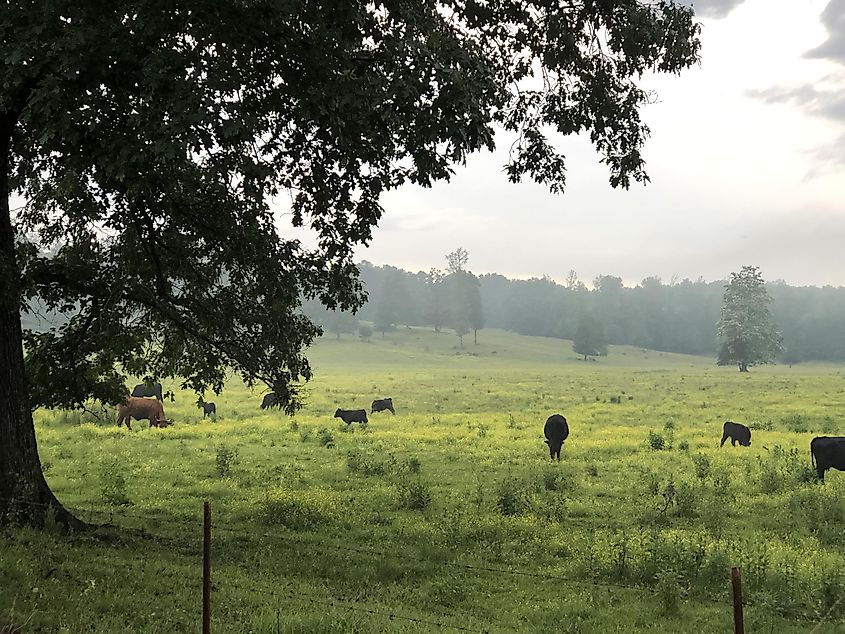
x=746 y=159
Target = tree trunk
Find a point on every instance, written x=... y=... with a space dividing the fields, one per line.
x=743 y=366
x=24 y=494
x=475 y=336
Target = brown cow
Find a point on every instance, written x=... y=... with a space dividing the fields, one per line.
x=142 y=409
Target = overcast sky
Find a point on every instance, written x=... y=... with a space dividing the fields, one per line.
x=746 y=159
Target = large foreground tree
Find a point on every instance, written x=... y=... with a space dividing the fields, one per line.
x=746 y=332
x=147 y=139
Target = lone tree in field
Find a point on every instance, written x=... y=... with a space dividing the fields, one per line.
x=463 y=293
x=746 y=333
x=146 y=142
x=590 y=339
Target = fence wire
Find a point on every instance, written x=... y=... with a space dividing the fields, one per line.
x=186 y=526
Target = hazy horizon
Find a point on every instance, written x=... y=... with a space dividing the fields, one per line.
x=628 y=282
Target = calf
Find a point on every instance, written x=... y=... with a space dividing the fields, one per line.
x=207 y=408
x=737 y=433
x=556 y=430
x=827 y=452
x=350 y=416
x=382 y=405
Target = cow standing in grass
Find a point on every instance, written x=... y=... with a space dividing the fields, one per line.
x=149 y=390
x=382 y=405
x=556 y=431
x=827 y=452
x=350 y=416
x=737 y=433
x=141 y=409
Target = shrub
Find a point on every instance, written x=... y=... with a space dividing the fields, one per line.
x=113 y=483
x=414 y=495
x=325 y=438
x=796 y=423
x=512 y=498
x=683 y=445
x=702 y=465
x=669 y=590
x=655 y=441
x=299 y=510
x=414 y=465
x=364 y=464
x=226 y=458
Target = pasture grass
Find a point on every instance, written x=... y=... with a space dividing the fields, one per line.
x=450 y=512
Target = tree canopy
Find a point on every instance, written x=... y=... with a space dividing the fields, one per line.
x=746 y=332
x=148 y=140
x=590 y=339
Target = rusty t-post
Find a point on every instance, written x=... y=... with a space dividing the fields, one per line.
x=206 y=568
x=736 y=582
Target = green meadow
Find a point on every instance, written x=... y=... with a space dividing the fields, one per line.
x=449 y=515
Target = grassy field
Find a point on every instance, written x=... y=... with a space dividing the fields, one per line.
x=450 y=513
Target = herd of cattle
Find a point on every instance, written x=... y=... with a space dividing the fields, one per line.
x=826 y=452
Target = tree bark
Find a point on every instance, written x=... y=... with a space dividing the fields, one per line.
x=743 y=366
x=25 y=496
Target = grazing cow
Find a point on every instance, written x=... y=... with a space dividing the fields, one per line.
x=381 y=405
x=142 y=409
x=556 y=431
x=207 y=408
x=827 y=452
x=737 y=433
x=349 y=416
x=148 y=390
x=269 y=401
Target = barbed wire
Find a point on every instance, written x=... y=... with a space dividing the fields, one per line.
x=182 y=524
x=289 y=593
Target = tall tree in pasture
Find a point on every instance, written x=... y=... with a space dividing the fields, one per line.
x=147 y=141
x=463 y=294
x=341 y=321
x=476 y=310
x=464 y=300
x=437 y=306
x=746 y=333
x=590 y=339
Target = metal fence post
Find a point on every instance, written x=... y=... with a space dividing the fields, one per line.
x=206 y=568
x=736 y=582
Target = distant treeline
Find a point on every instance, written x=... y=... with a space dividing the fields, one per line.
x=674 y=317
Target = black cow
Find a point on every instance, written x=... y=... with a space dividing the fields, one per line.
x=381 y=405
x=207 y=408
x=269 y=400
x=827 y=452
x=556 y=431
x=737 y=433
x=349 y=416
x=148 y=390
